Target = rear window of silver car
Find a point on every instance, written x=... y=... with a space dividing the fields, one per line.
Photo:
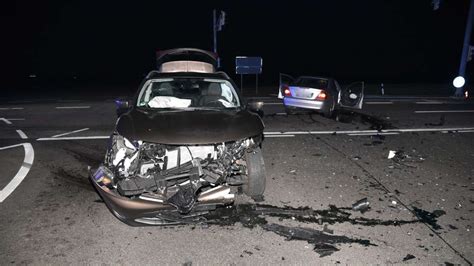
x=317 y=83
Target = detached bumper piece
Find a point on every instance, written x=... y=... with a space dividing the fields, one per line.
x=154 y=203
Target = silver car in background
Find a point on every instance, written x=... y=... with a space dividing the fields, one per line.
x=321 y=94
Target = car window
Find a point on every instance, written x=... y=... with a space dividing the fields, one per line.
x=188 y=93
x=317 y=83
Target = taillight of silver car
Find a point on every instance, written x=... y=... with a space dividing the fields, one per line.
x=322 y=96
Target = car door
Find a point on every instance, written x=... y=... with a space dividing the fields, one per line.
x=285 y=81
x=352 y=96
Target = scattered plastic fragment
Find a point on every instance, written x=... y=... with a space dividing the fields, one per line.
x=408 y=257
x=361 y=205
x=391 y=154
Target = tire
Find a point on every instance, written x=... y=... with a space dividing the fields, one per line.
x=289 y=110
x=328 y=112
x=254 y=185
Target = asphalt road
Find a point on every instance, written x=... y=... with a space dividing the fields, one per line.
x=421 y=201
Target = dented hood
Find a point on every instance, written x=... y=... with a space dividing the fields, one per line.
x=189 y=127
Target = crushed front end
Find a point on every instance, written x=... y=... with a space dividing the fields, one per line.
x=157 y=184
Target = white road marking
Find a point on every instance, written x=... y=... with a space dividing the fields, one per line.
x=443 y=111
x=69 y=101
x=69 y=133
x=271 y=103
x=431 y=102
x=15 y=119
x=74 y=138
x=21 y=133
x=378 y=102
x=6 y=121
x=322 y=132
x=278 y=136
x=274 y=134
x=12 y=108
x=22 y=172
x=11 y=146
x=374 y=134
x=72 y=107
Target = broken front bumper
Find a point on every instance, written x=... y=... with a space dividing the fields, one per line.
x=139 y=211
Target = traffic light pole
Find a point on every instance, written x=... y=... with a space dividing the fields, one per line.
x=465 y=48
x=214 y=29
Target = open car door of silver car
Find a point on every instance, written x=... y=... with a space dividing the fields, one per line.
x=285 y=81
x=352 y=96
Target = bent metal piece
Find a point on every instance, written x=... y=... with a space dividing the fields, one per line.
x=138 y=210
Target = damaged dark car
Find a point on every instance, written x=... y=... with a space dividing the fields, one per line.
x=183 y=146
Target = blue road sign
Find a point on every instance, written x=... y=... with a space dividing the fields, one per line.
x=246 y=65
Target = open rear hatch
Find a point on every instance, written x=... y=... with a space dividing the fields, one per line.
x=186 y=60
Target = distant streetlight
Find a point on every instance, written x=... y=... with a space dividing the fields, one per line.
x=465 y=52
x=459 y=82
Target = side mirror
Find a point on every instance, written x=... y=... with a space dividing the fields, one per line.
x=122 y=106
x=256 y=107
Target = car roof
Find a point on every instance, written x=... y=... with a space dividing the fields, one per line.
x=156 y=74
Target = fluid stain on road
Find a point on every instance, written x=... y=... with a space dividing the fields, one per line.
x=324 y=242
x=430 y=218
x=375 y=123
x=89 y=159
x=63 y=177
x=250 y=216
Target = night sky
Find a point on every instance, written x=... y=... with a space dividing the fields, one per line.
x=101 y=41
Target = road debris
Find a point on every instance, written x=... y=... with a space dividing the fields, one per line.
x=408 y=257
x=402 y=158
x=323 y=243
x=430 y=218
x=391 y=154
x=327 y=230
x=361 y=205
x=441 y=122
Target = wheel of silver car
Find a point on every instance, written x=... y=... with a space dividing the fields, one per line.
x=289 y=110
x=329 y=110
x=255 y=181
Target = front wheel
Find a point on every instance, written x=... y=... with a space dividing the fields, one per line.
x=254 y=185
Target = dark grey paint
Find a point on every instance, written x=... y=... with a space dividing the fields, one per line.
x=189 y=127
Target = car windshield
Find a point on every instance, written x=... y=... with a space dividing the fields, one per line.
x=188 y=93
x=317 y=83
